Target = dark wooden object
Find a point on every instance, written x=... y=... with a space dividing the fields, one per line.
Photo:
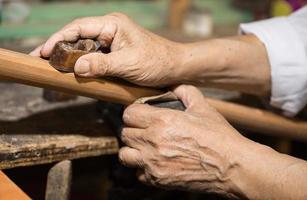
x=65 y=54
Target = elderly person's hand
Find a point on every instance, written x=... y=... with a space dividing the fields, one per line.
x=137 y=55
x=147 y=59
x=196 y=149
x=199 y=150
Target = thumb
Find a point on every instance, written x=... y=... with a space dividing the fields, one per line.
x=192 y=98
x=97 y=64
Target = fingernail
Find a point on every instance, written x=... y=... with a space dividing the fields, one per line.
x=82 y=67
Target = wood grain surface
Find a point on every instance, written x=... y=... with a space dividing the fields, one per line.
x=27 y=150
x=28 y=70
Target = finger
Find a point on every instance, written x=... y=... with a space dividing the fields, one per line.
x=139 y=115
x=69 y=35
x=133 y=137
x=103 y=28
x=36 y=52
x=140 y=174
x=192 y=98
x=131 y=157
x=96 y=64
x=111 y=64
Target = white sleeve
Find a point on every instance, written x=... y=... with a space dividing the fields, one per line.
x=285 y=39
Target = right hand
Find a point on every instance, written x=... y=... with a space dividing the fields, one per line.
x=137 y=55
x=195 y=149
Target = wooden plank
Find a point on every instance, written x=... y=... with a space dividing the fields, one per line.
x=54 y=135
x=9 y=190
x=26 y=150
x=37 y=72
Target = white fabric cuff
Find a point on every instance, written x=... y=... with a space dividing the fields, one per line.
x=287 y=59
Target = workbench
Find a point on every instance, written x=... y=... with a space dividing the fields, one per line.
x=34 y=131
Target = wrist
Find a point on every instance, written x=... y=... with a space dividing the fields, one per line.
x=258 y=172
x=267 y=174
x=233 y=158
x=197 y=62
x=178 y=68
x=245 y=166
x=222 y=63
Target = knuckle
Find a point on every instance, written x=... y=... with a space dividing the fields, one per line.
x=155 y=176
x=187 y=87
x=82 y=19
x=59 y=35
x=121 y=154
x=123 y=137
x=124 y=132
x=78 y=21
x=102 y=66
x=168 y=117
x=151 y=135
x=118 y=15
x=119 y=18
x=152 y=140
x=160 y=151
x=126 y=117
x=98 y=64
x=127 y=113
x=107 y=66
x=130 y=110
x=126 y=137
x=155 y=133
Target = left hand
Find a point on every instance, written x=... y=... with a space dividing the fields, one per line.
x=196 y=149
x=137 y=55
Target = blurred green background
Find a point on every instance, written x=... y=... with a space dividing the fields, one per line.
x=46 y=17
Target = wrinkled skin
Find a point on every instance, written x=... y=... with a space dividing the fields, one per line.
x=130 y=57
x=184 y=150
x=198 y=150
x=147 y=59
x=195 y=149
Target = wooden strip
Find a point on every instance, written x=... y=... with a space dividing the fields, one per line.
x=27 y=150
x=28 y=70
x=261 y=121
x=37 y=72
x=58 y=134
x=9 y=190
